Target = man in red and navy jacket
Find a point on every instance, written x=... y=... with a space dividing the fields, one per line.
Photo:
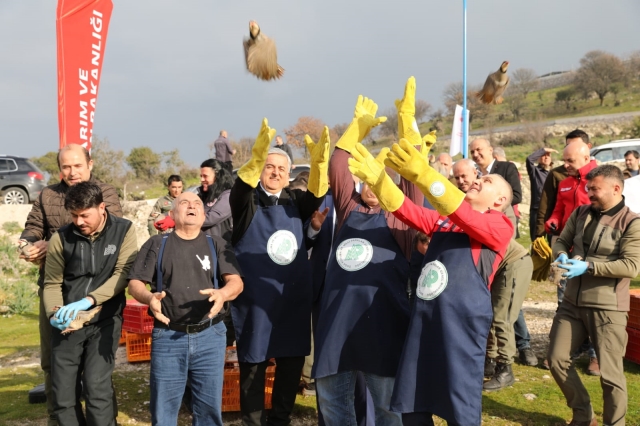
x=442 y=364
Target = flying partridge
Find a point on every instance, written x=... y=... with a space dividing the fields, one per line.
x=260 y=54
x=495 y=86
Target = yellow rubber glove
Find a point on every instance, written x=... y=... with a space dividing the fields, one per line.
x=371 y=171
x=413 y=166
x=319 y=172
x=407 y=126
x=364 y=119
x=251 y=170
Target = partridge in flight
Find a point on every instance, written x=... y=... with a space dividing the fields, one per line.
x=495 y=86
x=260 y=54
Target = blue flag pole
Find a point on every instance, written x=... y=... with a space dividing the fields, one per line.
x=465 y=116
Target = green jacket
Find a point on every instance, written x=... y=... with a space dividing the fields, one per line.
x=162 y=206
x=612 y=245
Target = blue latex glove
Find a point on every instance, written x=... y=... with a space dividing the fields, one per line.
x=562 y=258
x=59 y=325
x=69 y=312
x=574 y=267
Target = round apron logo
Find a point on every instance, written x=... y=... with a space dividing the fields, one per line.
x=436 y=189
x=433 y=280
x=354 y=254
x=282 y=247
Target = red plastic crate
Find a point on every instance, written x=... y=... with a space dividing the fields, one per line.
x=231 y=388
x=138 y=347
x=633 y=345
x=136 y=319
x=634 y=310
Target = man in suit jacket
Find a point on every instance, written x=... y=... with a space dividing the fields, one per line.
x=482 y=154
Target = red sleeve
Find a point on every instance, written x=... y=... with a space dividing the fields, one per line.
x=418 y=217
x=492 y=228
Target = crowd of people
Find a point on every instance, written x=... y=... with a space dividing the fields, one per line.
x=392 y=286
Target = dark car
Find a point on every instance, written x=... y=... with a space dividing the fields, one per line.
x=21 y=181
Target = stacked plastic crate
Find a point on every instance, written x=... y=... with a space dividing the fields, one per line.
x=138 y=326
x=633 y=328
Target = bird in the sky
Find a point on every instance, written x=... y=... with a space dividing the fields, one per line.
x=260 y=54
x=495 y=86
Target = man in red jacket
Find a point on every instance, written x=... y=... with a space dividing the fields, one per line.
x=572 y=191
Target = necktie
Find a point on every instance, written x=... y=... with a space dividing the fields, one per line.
x=273 y=199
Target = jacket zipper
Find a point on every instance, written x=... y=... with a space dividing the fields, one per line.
x=86 y=289
x=595 y=251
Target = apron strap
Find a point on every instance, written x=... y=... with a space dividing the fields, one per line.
x=214 y=261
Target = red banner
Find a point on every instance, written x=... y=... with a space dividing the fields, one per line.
x=81 y=31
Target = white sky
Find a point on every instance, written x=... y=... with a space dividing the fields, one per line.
x=174 y=72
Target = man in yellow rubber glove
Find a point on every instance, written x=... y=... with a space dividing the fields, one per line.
x=364 y=308
x=442 y=363
x=272 y=316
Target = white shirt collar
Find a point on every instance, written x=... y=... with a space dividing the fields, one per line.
x=489 y=167
x=277 y=194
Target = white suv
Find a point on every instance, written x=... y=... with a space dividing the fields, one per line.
x=614 y=151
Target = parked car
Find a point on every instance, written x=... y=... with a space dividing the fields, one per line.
x=21 y=181
x=614 y=151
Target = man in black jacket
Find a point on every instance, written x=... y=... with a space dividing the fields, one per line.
x=87 y=265
x=537 y=175
x=482 y=154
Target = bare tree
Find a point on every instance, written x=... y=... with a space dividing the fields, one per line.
x=389 y=127
x=452 y=96
x=516 y=105
x=422 y=109
x=307 y=126
x=566 y=96
x=340 y=128
x=525 y=81
x=598 y=71
x=108 y=163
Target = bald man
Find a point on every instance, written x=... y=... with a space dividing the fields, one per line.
x=550 y=188
x=47 y=215
x=572 y=191
x=508 y=290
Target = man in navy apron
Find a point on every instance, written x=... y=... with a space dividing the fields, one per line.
x=364 y=311
x=272 y=316
x=442 y=363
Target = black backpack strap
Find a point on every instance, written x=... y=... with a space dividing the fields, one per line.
x=159 y=264
x=214 y=262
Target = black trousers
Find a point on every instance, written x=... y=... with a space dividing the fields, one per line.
x=419 y=419
x=285 y=389
x=89 y=352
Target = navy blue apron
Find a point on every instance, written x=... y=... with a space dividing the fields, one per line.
x=321 y=248
x=272 y=315
x=442 y=365
x=364 y=311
